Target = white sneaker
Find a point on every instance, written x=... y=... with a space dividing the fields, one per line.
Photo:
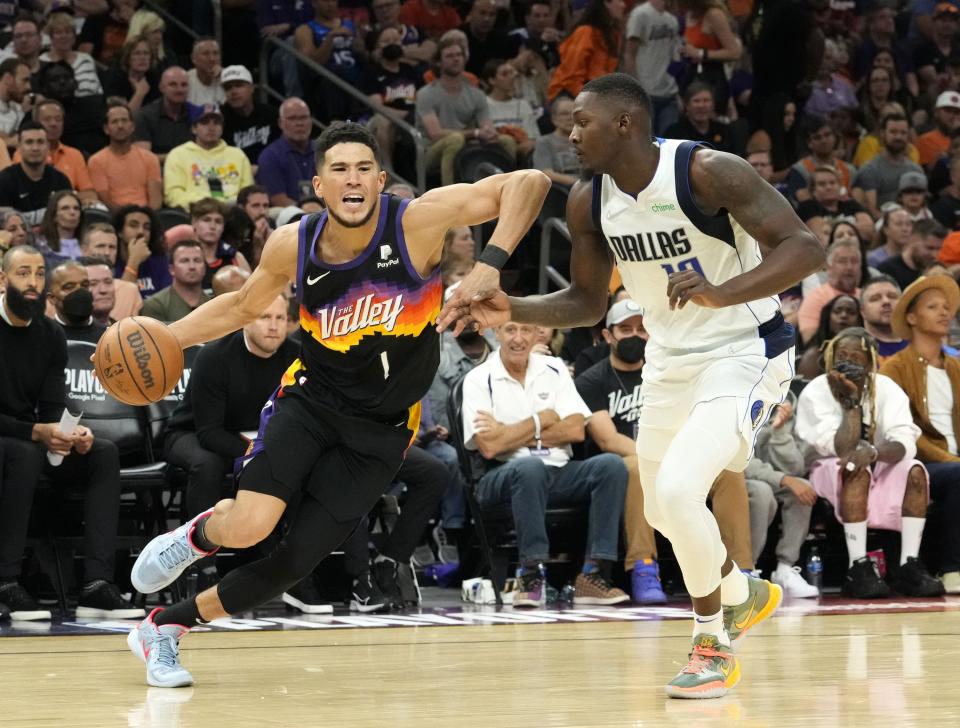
x=166 y=557
x=159 y=648
x=794 y=585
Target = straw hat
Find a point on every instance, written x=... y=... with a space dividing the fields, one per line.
x=944 y=283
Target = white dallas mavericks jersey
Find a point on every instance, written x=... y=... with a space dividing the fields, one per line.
x=662 y=231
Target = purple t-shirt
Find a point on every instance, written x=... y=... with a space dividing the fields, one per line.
x=153 y=275
x=283 y=169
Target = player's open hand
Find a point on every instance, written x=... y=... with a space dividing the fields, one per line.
x=688 y=286
x=476 y=303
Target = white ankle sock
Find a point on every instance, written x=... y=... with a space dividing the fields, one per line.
x=711 y=624
x=733 y=587
x=911 y=532
x=856 y=534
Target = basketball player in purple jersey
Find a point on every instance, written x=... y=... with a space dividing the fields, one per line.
x=335 y=432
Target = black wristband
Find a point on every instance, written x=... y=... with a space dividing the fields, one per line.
x=494 y=256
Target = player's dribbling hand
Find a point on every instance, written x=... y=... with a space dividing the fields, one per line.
x=477 y=302
x=688 y=286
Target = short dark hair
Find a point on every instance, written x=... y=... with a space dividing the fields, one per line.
x=8 y=256
x=929 y=229
x=892 y=117
x=205 y=206
x=95 y=260
x=11 y=65
x=116 y=102
x=120 y=219
x=244 y=194
x=345 y=132
x=877 y=280
x=620 y=87
x=29 y=124
x=812 y=124
x=491 y=67
x=184 y=244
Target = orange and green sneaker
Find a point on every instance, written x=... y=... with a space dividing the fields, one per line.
x=763 y=598
x=712 y=671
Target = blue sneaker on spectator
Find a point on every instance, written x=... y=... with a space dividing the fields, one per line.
x=645 y=583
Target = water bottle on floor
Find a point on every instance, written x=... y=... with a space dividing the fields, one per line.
x=815 y=568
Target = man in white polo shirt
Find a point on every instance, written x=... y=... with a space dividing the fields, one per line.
x=522 y=412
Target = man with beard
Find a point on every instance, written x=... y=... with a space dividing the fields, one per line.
x=922 y=249
x=27 y=186
x=877 y=301
x=33 y=354
x=14 y=87
x=878 y=181
x=73 y=302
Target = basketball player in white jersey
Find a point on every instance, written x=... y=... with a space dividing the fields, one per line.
x=682 y=222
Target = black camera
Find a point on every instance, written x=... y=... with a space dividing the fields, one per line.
x=851 y=371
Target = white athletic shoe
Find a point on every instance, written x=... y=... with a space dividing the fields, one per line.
x=166 y=557
x=794 y=585
x=159 y=648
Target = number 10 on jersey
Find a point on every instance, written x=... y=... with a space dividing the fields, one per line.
x=685 y=264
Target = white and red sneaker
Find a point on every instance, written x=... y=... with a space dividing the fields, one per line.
x=166 y=557
x=159 y=648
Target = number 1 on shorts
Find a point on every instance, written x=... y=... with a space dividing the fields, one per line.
x=386 y=364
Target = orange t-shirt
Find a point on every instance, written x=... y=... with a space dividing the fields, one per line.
x=583 y=57
x=433 y=24
x=931 y=146
x=124 y=179
x=70 y=162
x=695 y=36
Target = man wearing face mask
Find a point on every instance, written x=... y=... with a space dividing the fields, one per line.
x=611 y=389
x=73 y=302
x=391 y=83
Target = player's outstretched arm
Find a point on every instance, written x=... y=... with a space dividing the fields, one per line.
x=584 y=302
x=515 y=198
x=724 y=181
x=228 y=312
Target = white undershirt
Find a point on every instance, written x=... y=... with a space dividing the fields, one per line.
x=940 y=405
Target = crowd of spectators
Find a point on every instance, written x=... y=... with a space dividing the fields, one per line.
x=141 y=172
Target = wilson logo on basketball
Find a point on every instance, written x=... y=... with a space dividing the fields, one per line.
x=142 y=357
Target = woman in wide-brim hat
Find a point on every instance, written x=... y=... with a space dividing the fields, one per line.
x=931 y=379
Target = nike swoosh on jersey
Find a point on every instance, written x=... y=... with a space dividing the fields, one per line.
x=311 y=281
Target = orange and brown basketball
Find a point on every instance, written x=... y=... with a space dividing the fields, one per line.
x=138 y=360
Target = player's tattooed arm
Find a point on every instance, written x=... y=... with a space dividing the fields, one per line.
x=584 y=302
x=723 y=181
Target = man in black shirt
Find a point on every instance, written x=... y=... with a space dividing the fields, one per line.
x=27 y=186
x=73 y=301
x=485 y=41
x=165 y=123
x=33 y=355
x=697 y=123
x=539 y=34
x=247 y=125
x=922 y=250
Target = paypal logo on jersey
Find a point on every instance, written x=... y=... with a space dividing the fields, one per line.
x=385 y=260
x=644 y=247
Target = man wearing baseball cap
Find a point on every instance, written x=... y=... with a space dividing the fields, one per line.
x=247 y=124
x=912 y=195
x=207 y=166
x=936 y=142
x=931 y=380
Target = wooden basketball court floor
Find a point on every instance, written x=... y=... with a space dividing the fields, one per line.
x=870 y=668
